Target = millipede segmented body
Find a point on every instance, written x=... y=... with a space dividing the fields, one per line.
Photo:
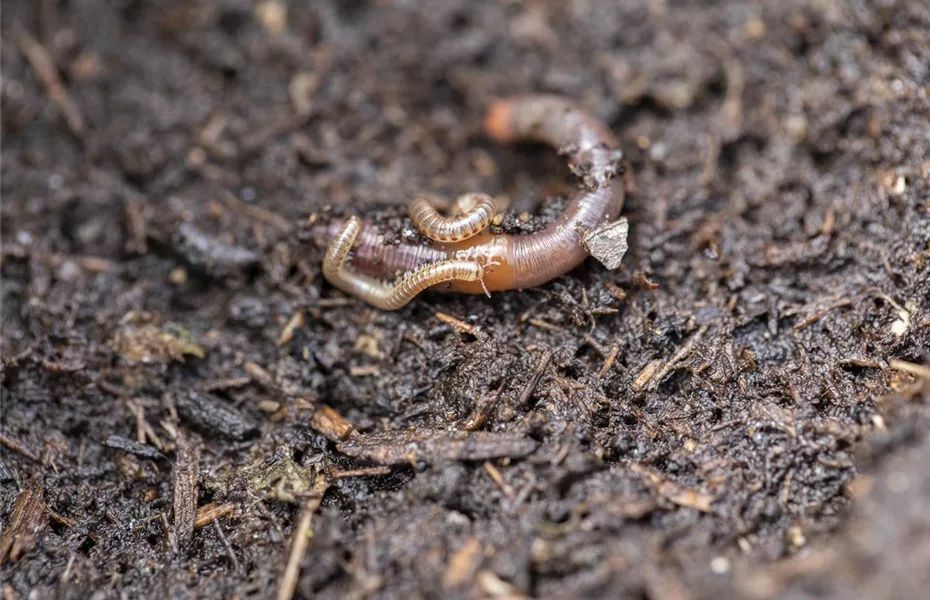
x=387 y=296
x=499 y=261
x=478 y=210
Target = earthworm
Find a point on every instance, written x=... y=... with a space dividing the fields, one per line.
x=506 y=262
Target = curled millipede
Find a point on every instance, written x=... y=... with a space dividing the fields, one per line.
x=383 y=295
x=470 y=223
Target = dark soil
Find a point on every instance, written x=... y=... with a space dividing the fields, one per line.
x=741 y=410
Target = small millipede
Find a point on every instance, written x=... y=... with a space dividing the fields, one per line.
x=463 y=255
x=478 y=211
x=383 y=295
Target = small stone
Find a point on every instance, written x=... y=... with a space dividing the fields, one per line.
x=178 y=276
x=796 y=537
x=755 y=29
x=272 y=15
x=720 y=565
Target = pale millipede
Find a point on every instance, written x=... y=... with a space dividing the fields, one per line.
x=384 y=295
x=471 y=222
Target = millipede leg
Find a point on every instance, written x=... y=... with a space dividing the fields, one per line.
x=478 y=211
x=384 y=295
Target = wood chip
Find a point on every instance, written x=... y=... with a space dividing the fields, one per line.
x=331 y=424
x=430 y=446
x=213 y=416
x=140 y=450
x=211 y=512
x=185 y=496
x=673 y=492
x=27 y=520
x=646 y=375
x=296 y=322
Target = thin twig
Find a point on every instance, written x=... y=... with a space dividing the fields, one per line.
x=301 y=538
x=679 y=356
x=456 y=324
x=18 y=447
x=541 y=367
x=229 y=548
x=44 y=66
x=912 y=368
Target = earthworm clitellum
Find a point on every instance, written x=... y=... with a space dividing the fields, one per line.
x=463 y=255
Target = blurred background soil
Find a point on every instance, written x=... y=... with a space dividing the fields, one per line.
x=741 y=410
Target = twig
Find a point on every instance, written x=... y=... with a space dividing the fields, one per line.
x=211 y=513
x=609 y=361
x=822 y=313
x=47 y=72
x=543 y=325
x=908 y=367
x=255 y=212
x=460 y=326
x=185 y=496
x=18 y=447
x=498 y=479
x=301 y=538
x=366 y=472
x=679 y=356
x=480 y=416
x=229 y=548
x=530 y=387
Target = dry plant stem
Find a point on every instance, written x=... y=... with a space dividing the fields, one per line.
x=301 y=539
x=473 y=221
x=509 y=261
x=384 y=295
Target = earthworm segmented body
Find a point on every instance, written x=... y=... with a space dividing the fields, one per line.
x=463 y=256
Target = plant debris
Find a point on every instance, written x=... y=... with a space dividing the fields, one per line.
x=26 y=522
x=422 y=445
x=608 y=243
x=147 y=342
x=135 y=448
x=213 y=416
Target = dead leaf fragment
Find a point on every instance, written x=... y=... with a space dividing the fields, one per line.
x=608 y=243
x=149 y=343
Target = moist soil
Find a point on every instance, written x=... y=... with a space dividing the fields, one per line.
x=190 y=410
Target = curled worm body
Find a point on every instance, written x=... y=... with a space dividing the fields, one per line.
x=383 y=295
x=475 y=218
x=510 y=261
